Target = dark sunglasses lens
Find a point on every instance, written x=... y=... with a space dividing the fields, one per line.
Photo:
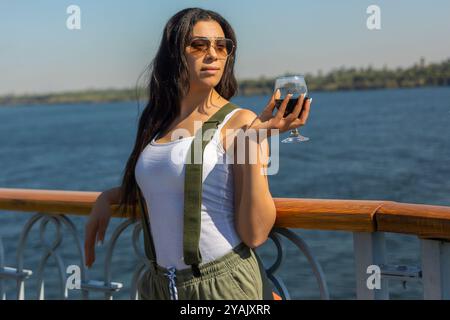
x=224 y=46
x=200 y=44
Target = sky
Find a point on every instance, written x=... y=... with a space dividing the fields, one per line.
x=118 y=39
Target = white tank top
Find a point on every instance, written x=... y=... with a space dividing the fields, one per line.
x=161 y=180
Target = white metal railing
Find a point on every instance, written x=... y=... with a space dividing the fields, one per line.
x=367 y=220
x=51 y=250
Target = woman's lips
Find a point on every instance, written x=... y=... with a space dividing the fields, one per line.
x=210 y=71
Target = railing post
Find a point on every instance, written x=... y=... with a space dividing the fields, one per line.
x=435 y=256
x=369 y=249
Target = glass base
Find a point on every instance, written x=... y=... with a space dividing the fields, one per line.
x=295 y=139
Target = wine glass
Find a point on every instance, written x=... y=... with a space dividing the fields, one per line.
x=295 y=85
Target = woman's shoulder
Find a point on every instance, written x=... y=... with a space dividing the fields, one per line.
x=241 y=118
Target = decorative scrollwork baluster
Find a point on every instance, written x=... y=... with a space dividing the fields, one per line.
x=144 y=263
x=20 y=253
x=304 y=248
x=51 y=251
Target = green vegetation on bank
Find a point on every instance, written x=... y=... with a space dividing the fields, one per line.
x=85 y=96
x=420 y=74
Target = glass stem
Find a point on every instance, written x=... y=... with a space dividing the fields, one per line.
x=295 y=132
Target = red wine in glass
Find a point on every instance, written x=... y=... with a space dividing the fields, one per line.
x=290 y=106
x=295 y=85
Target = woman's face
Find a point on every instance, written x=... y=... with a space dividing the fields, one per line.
x=197 y=61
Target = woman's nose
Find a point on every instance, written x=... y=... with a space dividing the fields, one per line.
x=212 y=51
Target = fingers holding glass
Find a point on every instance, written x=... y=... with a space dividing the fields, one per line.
x=282 y=108
x=303 y=116
x=298 y=108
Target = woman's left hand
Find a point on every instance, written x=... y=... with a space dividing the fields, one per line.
x=266 y=120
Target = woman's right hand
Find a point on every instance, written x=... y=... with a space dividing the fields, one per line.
x=95 y=227
x=266 y=120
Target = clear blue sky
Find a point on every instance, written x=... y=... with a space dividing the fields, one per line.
x=119 y=38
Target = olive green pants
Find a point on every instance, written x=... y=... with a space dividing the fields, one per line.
x=236 y=275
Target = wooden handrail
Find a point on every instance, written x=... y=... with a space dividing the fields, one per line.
x=425 y=221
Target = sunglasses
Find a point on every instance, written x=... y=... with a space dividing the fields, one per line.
x=200 y=45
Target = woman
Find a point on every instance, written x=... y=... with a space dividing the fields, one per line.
x=191 y=81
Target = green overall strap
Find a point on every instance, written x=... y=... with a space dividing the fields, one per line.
x=193 y=187
x=149 y=246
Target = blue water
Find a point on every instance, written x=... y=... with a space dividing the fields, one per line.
x=379 y=145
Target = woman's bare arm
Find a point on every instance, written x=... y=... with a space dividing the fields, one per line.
x=98 y=221
x=255 y=208
x=254 y=205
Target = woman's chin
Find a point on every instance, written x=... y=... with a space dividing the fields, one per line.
x=208 y=82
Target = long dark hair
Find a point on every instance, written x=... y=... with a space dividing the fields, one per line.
x=168 y=83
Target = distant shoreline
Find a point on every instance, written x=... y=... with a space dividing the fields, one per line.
x=342 y=79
